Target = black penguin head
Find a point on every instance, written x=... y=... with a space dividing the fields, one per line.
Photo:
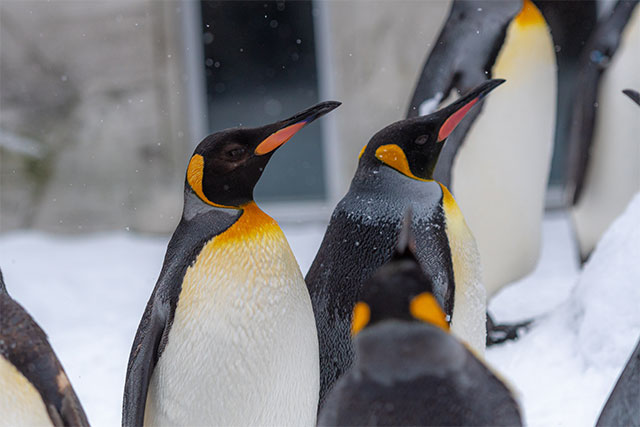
x=634 y=95
x=412 y=146
x=226 y=166
x=399 y=289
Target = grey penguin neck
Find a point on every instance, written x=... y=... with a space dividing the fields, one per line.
x=194 y=206
x=373 y=188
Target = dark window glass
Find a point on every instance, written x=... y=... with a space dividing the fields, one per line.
x=260 y=66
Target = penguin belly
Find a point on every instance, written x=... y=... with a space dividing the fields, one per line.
x=500 y=172
x=613 y=172
x=468 y=321
x=243 y=347
x=20 y=402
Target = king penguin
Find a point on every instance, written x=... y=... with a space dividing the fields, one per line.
x=395 y=170
x=603 y=139
x=408 y=370
x=228 y=336
x=34 y=389
x=501 y=156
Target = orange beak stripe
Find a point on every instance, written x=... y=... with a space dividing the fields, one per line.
x=278 y=138
x=453 y=120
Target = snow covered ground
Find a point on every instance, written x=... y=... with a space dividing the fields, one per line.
x=89 y=292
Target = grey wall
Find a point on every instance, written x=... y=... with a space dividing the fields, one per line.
x=97 y=87
x=98 y=90
x=377 y=50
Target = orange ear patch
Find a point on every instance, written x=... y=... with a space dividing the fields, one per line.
x=360 y=318
x=278 y=138
x=425 y=307
x=195 y=172
x=454 y=119
x=393 y=156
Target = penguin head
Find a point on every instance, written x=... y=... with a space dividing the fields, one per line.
x=226 y=166
x=412 y=146
x=399 y=290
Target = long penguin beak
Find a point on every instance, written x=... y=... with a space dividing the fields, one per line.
x=454 y=113
x=289 y=127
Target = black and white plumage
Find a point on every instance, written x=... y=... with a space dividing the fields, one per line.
x=408 y=369
x=34 y=388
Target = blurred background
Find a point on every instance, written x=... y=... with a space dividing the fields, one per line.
x=102 y=102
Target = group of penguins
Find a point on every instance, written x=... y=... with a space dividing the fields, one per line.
x=389 y=326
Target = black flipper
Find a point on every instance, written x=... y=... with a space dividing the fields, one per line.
x=596 y=57
x=151 y=338
x=461 y=59
x=623 y=406
x=142 y=361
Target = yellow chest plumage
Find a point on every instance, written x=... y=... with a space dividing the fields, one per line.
x=243 y=348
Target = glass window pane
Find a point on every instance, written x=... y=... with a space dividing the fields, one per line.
x=260 y=66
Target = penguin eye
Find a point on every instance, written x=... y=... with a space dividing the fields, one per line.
x=235 y=153
x=422 y=139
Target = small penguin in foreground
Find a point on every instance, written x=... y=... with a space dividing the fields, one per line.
x=623 y=405
x=395 y=171
x=228 y=336
x=34 y=389
x=603 y=149
x=408 y=369
x=501 y=156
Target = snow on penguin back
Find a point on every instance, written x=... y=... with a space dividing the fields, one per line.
x=608 y=293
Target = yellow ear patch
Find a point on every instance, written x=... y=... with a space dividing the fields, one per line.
x=361 y=317
x=425 y=307
x=529 y=15
x=393 y=156
x=195 y=171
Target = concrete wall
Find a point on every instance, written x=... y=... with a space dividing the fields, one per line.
x=377 y=50
x=96 y=87
x=94 y=133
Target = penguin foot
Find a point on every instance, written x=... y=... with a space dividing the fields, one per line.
x=497 y=334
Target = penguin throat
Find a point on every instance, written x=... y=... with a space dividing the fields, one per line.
x=252 y=223
x=393 y=156
x=529 y=15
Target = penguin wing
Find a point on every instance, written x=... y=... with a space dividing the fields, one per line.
x=461 y=59
x=70 y=412
x=144 y=356
x=151 y=338
x=596 y=57
x=25 y=345
x=622 y=408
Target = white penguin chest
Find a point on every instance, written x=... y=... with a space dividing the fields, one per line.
x=20 y=402
x=612 y=176
x=505 y=159
x=243 y=348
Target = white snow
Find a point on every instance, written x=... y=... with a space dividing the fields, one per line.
x=89 y=292
x=566 y=366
